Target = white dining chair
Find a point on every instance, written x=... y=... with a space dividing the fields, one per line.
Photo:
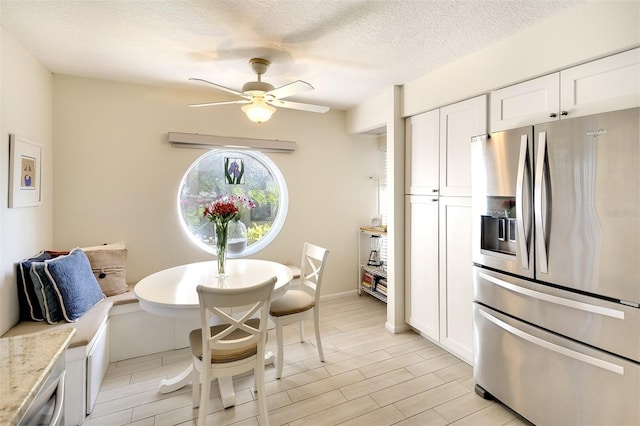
x=301 y=303
x=235 y=346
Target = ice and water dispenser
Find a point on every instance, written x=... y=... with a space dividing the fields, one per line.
x=498 y=225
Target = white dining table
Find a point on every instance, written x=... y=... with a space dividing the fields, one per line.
x=172 y=292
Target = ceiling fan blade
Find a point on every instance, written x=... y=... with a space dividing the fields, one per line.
x=290 y=89
x=220 y=103
x=299 y=106
x=225 y=89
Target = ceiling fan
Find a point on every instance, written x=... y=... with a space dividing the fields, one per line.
x=261 y=97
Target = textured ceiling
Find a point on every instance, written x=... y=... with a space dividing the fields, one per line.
x=349 y=50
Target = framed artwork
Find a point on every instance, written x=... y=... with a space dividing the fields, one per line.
x=25 y=164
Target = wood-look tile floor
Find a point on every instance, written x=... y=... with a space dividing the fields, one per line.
x=370 y=377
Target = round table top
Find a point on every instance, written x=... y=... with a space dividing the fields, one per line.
x=172 y=292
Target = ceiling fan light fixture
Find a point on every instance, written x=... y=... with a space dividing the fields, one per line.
x=258 y=111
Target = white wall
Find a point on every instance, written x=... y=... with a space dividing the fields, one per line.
x=26 y=109
x=116 y=177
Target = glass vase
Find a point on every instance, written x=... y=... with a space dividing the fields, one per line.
x=236 y=237
x=221 y=246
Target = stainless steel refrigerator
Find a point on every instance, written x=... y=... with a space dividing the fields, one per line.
x=557 y=269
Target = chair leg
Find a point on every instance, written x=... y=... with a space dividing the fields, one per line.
x=205 y=388
x=195 y=383
x=301 y=326
x=279 y=360
x=316 y=326
x=262 y=397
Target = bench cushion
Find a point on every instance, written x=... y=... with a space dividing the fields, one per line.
x=124 y=298
x=86 y=327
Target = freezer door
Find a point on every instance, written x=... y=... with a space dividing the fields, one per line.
x=611 y=326
x=587 y=204
x=502 y=200
x=551 y=380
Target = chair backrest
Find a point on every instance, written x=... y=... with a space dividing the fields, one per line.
x=314 y=259
x=215 y=303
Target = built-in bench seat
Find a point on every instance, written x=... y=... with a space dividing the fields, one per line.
x=88 y=354
x=87 y=325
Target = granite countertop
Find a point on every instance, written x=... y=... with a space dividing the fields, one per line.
x=25 y=362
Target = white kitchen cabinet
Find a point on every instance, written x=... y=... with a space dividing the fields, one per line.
x=459 y=122
x=422 y=153
x=525 y=104
x=422 y=291
x=438 y=154
x=606 y=84
x=456 y=279
x=439 y=292
x=438 y=267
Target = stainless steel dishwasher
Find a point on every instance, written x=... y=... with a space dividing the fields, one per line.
x=47 y=407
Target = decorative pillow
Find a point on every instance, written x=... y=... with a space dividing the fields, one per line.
x=29 y=305
x=108 y=263
x=48 y=299
x=74 y=283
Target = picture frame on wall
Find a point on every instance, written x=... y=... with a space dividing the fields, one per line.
x=25 y=177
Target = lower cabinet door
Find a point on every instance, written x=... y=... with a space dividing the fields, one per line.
x=422 y=265
x=97 y=364
x=456 y=277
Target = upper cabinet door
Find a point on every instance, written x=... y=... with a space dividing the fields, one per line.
x=608 y=84
x=458 y=124
x=532 y=102
x=421 y=162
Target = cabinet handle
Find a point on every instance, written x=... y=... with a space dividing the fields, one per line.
x=435 y=200
x=553 y=115
x=564 y=113
x=434 y=190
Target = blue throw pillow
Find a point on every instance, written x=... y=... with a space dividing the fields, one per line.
x=29 y=306
x=74 y=283
x=48 y=299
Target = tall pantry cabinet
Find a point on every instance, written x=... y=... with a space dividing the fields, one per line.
x=439 y=291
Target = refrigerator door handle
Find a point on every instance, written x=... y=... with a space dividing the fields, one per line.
x=523 y=167
x=573 y=304
x=553 y=347
x=541 y=243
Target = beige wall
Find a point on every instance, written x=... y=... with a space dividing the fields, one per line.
x=116 y=177
x=26 y=98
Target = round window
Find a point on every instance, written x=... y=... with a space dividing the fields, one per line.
x=220 y=173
